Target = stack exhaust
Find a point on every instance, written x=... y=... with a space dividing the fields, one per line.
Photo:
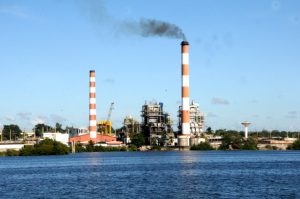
x=92 y=107
x=184 y=138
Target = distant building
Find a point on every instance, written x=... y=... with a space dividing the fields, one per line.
x=60 y=137
x=196 y=119
x=85 y=138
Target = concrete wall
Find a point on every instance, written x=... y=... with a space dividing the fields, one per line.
x=4 y=147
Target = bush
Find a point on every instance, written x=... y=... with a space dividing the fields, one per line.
x=156 y=148
x=294 y=146
x=132 y=148
x=90 y=146
x=109 y=148
x=12 y=152
x=79 y=148
x=45 y=147
x=27 y=151
x=203 y=146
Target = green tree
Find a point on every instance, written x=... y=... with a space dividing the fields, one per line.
x=231 y=140
x=209 y=130
x=39 y=129
x=138 y=140
x=249 y=144
x=11 y=131
x=59 y=128
x=203 y=146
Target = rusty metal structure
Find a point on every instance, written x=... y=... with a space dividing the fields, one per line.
x=156 y=124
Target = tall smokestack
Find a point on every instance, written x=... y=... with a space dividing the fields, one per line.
x=183 y=139
x=92 y=107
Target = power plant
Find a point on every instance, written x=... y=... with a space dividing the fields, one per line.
x=156 y=124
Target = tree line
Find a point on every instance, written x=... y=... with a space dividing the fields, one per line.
x=13 y=131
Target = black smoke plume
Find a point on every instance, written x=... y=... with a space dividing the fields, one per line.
x=152 y=27
x=144 y=27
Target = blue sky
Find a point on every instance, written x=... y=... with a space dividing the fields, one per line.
x=244 y=60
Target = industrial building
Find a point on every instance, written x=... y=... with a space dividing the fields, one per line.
x=196 y=120
x=156 y=124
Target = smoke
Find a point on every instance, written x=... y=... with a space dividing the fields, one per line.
x=99 y=15
x=155 y=28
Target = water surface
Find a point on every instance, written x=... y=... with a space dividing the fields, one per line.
x=192 y=174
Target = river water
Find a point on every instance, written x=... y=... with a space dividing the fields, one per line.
x=191 y=174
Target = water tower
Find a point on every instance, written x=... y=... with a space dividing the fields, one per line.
x=246 y=124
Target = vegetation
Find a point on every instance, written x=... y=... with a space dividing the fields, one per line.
x=11 y=131
x=294 y=146
x=269 y=147
x=12 y=152
x=138 y=140
x=79 y=148
x=203 y=146
x=91 y=147
x=132 y=148
x=255 y=134
x=156 y=148
x=235 y=141
x=45 y=147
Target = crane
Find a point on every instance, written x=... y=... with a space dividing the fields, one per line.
x=110 y=110
x=105 y=126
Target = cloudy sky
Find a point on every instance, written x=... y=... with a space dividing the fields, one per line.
x=244 y=60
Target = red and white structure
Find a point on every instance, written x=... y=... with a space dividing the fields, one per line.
x=92 y=107
x=183 y=139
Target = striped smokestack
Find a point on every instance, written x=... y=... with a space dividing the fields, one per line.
x=184 y=138
x=92 y=107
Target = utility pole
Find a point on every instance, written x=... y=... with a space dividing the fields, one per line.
x=9 y=134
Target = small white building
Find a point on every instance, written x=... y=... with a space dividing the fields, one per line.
x=60 y=137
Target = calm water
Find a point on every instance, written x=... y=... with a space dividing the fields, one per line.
x=215 y=174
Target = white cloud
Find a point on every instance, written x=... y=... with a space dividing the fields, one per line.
x=24 y=115
x=210 y=114
x=57 y=118
x=39 y=120
x=9 y=118
x=109 y=81
x=219 y=101
x=292 y=114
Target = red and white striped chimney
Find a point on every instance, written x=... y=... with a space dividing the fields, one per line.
x=92 y=107
x=185 y=100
